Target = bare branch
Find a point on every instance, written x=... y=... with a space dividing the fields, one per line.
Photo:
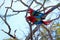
x=36 y=28
x=58 y=8
x=8 y=28
x=6 y=24
x=24 y=3
x=42 y=6
x=11 y=3
x=38 y=2
x=8 y=34
x=48 y=32
x=20 y=10
x=15 y=33
x=5 y=13
x=56 y=18
x=7 y=10
x=2 y=4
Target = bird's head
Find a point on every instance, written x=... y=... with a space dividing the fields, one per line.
x=30 y=11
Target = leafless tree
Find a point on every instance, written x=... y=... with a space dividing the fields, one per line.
x=32 y=32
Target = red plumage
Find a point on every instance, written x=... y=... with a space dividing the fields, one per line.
x=31 y=19
x=30 y=11
x=46 y=22
x=48 y=11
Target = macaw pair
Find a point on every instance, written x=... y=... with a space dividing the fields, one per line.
x=37 y=17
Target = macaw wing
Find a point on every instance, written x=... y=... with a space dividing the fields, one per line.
x=40 y=15
x=54 y=7
x=38 y=22
x=46 y=22
x=50 y=10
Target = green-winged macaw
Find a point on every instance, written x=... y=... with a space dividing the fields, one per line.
x=36 y=17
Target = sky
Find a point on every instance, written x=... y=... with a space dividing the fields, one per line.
x=18 y=21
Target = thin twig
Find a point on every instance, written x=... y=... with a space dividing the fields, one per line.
x=8 y=34
x=6 y=13
x=2 y=4
x=6 y=24
x=15 y=33
x=11 y=3
x=38 y=2
x=42 y=6
x=24 y=3
x=8 y=28
x=36 y=28
x=20 y=10
x=48 y=32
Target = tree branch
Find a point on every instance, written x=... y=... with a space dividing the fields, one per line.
x=36 y=28
x=2 y=4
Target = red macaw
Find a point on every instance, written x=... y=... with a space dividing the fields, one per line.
x=34 y=16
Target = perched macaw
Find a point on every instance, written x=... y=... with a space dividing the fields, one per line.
x=34 y=20
x=36 y=17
